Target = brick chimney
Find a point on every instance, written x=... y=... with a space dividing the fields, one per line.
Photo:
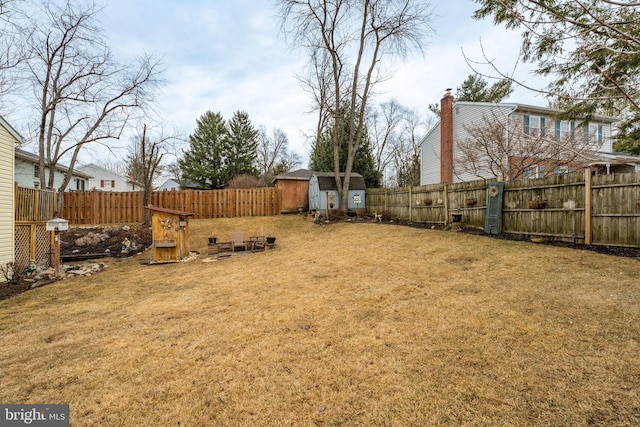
x=446 y=138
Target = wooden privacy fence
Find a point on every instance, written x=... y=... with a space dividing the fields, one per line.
x=601 y=210
x=96 y=207
x=33 y=208
x=34 y=205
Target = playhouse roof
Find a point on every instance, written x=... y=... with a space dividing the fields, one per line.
x=326 y=181
x=169 y=211
x=300 y=175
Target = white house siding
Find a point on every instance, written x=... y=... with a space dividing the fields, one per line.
x=24 y=174
x=105 y=180
x=466 y=114
x=169 y=184
x=606 y=146
x=430 y=157
x=469 y=114
x=24 y=177
x=6 y=196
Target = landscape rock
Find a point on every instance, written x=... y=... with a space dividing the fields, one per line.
x=82 y=269
x=91 y=239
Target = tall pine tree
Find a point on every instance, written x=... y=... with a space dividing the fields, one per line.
x=241 y=146
x=477 y=89
x=205 y=161
x=321 y=159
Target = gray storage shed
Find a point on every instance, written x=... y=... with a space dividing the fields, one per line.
x=323 y=193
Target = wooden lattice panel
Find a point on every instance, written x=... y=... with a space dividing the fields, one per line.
x=23 y=244
x=43 y=246
x=23 y=250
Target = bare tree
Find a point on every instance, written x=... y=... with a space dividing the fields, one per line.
x=12 y=51
x=273 y=154
x=354 y=36
x=83 y=95
x=406 y=153
x=497 y=146
x=394 y=132
x=173 y=171
x=113 y=164
x=145 y=161
x=385 y=133
x=317 y=82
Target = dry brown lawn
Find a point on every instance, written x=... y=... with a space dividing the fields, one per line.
x=347 y=324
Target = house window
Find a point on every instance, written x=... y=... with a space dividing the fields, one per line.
x=534 y=171
x=534 y=125
x=564 y=129
x=36 y=171
x=113 y=184
x=102 y=183
x=560 y=170
x=79 y=184
x=593 y=133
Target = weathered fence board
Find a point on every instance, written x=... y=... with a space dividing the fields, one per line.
x=614 y=210
x=123 y=207
x=562 y=216
x=34 y=205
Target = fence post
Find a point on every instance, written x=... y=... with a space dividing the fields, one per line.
x=410 y=203
x=588 y=207
x=36 y=205
x=446 y=204
x=32 y=241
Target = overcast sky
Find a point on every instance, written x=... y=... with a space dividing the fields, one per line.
x=226 y=56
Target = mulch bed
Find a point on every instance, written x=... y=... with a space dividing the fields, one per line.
x=620 y=251
x=81 y=243
x=105 y=241
x=7 y=290
x=601 y=249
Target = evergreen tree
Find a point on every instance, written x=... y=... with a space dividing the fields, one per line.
x=628 y=137
x=589 y=50
x=205 y=161
x=241 y=146
x=477 y=89
x=321 y=159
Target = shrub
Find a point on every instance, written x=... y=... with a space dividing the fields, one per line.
x=386 y=216
x=245 y=181
x=11 y=275
x=336 y=215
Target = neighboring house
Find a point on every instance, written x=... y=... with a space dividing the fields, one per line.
x=294 y=190
x=105 y=180
x=9 y=137
x=441 y=146
x=323 y=192
x=27 y=173
x=173 y=184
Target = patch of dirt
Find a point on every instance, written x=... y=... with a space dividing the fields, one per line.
x=7 y=290
x=105 y=241
x=84 y=243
